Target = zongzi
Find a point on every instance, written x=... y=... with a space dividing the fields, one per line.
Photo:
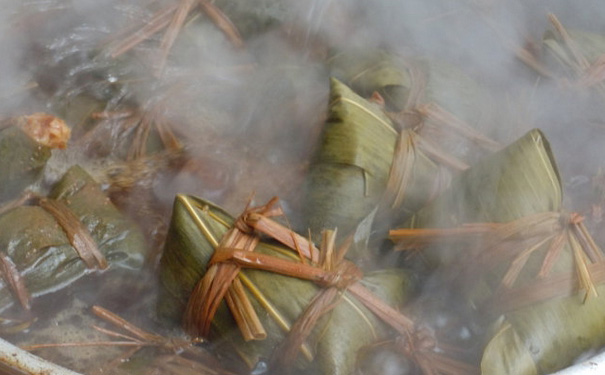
x=520 y=256
x=353 y=167
x=524 y=172
x=60 y=238
x=331 y=347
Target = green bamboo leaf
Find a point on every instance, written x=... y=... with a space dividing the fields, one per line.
x=41 y=251
x=350 y=172
x=547 y=336
x=118 y=238
x=196 y=229
x=22 y=161
x=516 y=182
x=539 y=337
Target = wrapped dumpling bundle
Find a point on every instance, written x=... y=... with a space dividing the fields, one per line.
x=524 y=173
x=25 y=146
x=363 y=160
x=532 y=267
x=304 y=310
x=60 y=238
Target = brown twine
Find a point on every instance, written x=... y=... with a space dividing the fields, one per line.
x=491 y=244
x=12 y=278
x=552 y=229
x=79 y=236
x=218 y=280
x=574 y=49
x=594 y=75
x=419 y=346
x=448 y=121
x=208 y=293
x=409 y=117
x=333 y=275
x=403 y=164
x=589 y=269
x=542 y=289
x=339 y=275
x=173 y=18
x=417 y=113
x=323 y=302
x=401 y=170
x=587 y=74
x=418 y=83
x=411 y=121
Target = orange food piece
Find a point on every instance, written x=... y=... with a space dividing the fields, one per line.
x=47 y=130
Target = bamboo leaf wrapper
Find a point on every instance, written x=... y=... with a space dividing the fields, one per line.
x=41 y=250
x=349 y=175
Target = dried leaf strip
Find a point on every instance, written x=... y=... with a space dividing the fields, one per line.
x=492 y=243
x=217 y=282
x=172 y=18
x=184 y=353
x=76 y=232
x=13 y=279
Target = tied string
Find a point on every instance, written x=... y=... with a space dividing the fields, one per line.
x=172 y=19
x=403 y=167
x=418 y=123
x=78 y=235
x=419 y=115
x=409 y=142
x=490 y=245
x=220 y=281
x=588 y=263
x=587 y=74
x=444 y=120
x=145 y=122
x=420 y=344
x=326 y=267
x=337 y=276
x=12 y=278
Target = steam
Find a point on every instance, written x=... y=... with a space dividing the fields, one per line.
x=253 y=115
